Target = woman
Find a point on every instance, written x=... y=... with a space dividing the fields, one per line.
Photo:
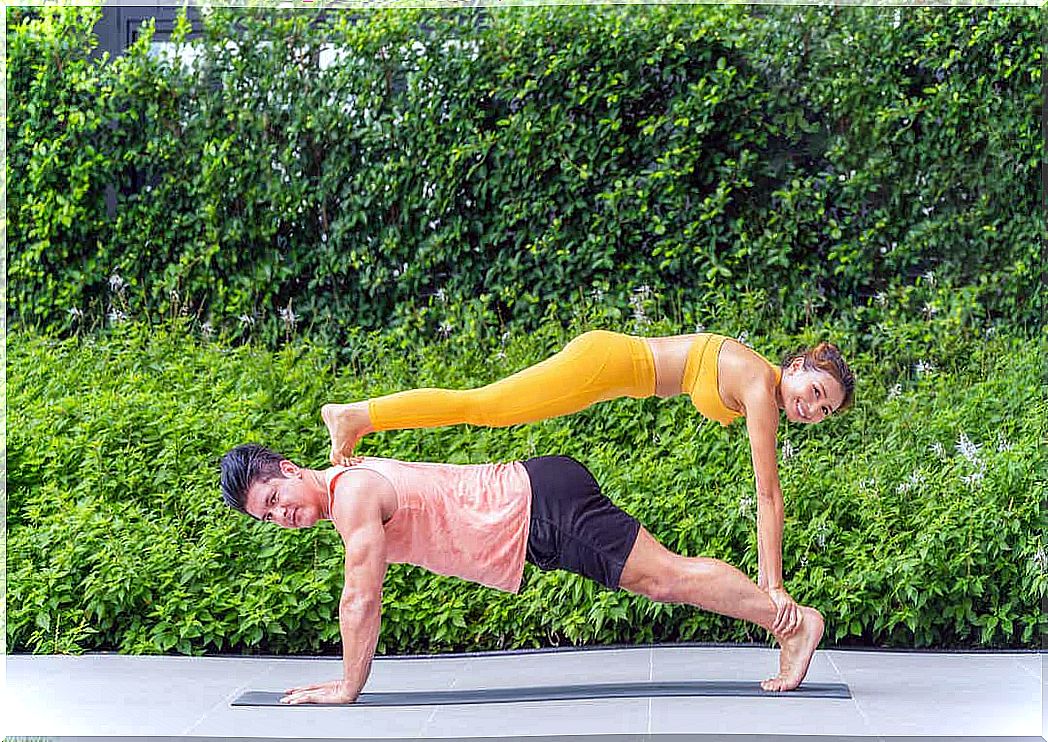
x=724 y=378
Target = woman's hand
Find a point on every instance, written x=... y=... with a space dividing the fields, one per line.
x=787 y=612
x=334 y=691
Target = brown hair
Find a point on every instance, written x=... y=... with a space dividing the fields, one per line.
x=827 y=357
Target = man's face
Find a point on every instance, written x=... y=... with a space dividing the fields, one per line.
x=809 y=395
x=285 y=500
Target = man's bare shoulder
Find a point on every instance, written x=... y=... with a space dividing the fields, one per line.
x=361 y=495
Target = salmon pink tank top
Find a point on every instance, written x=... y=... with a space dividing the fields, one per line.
x=469 y=521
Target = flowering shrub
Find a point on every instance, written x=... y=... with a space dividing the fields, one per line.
x=913 y=520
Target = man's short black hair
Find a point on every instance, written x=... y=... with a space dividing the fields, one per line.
x=242 y=467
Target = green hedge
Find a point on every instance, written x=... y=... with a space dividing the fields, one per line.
x=117 y=537
x=491 y=163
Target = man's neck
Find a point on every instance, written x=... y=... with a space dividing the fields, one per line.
x=317 y=482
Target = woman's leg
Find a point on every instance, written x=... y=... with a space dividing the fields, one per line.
x=655 y=572
x=593 y=367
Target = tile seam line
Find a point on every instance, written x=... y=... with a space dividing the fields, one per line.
x=226 y=701
x=854 y=698
x=651 y=678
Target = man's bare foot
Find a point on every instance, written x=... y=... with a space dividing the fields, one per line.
x=346 y=424
x=796 y=651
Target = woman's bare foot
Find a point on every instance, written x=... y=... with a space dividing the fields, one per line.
x=796 y=651
x=346 y=424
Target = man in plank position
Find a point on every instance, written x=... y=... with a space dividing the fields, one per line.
x=481 y=522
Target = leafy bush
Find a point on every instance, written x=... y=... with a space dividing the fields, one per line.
x=395 y=168
x=913 y=520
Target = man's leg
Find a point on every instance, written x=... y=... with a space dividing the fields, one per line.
x=657 y=573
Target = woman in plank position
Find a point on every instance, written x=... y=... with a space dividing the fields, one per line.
x=482 y=522
x=725 y=379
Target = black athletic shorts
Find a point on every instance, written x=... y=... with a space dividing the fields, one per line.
x=574 y=526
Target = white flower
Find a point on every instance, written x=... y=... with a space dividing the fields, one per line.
x=929 y=276
x=1040 y=560
x=116 y=316
x=895 y=391
x=930 y=310
x=745 y=505
x=882 y=298
x=967 y=449
x=640 y=318
x=938 y=449
x=75 y=312
x=116 y=283
x=500 y=356
x=788 y=451
x=744 y=339
x=597 y=294
x=821 y=534
x=700 y=328
x=924 y=367
x=973 y=479
x=246 y=319
x=206 y=329
x=288 y=316
x=506 y=336
x=442 y=296
x=1002 y=444
x=445 y=329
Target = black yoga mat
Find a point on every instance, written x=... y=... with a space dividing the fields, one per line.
x=562 y=693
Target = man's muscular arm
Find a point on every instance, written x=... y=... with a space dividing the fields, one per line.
x=357 y=514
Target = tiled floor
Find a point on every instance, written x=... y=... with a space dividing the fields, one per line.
x=931 y=695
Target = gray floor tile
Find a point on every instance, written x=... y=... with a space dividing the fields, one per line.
x=613 y=716
x=561 y=668
x=756 y=716
x=117 y=695
x=302 y=721
x=731 y=663
x=950 y=693
x=386 y=674
x=1032 y=663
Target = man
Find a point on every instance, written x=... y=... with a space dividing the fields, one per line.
x=481 y=522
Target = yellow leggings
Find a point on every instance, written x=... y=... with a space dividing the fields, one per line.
x=594 y=367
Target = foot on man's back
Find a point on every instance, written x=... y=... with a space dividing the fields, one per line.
x=346 y=424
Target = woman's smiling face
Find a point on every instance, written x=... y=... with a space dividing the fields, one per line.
x=809 y=395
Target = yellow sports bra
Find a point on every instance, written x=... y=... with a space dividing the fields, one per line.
x=700 y=378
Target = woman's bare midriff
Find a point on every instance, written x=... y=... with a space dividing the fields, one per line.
x=671 y=356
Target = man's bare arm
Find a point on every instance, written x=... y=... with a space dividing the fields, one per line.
x=358 y=517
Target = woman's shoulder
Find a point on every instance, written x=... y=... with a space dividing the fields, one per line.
x=747 y=362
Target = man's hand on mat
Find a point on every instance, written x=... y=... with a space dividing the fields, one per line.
x=334 y=691
x=787 y=612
